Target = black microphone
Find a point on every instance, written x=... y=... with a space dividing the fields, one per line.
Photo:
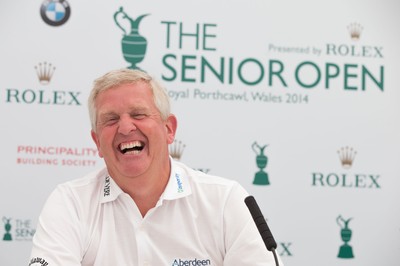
x=262 y=226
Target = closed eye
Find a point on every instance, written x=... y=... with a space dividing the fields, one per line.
x=139 y=116
x=108 y=120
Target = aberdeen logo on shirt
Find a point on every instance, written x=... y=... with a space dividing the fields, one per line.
x=193 y=262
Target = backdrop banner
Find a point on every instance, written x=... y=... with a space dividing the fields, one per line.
x=299 y=101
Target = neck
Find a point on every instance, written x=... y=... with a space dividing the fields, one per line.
x=145 y=190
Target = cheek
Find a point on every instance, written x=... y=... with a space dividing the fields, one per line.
x=103 y=142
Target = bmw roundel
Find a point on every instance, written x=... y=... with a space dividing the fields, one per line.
x=55 y=12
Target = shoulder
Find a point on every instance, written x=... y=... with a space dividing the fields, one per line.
x=91 y=181
x=82 y=191
x=212 y=186
x=202 y=177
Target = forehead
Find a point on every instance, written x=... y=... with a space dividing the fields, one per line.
x=131 y=94
x=136 y=90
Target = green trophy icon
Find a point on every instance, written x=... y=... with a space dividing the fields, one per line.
x=261 y=177
x=133 y=44
x=345 y=251
x=7 y=227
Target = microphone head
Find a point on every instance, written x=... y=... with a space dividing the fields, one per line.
x=260 y=222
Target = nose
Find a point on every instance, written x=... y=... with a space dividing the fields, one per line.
x=126 y=125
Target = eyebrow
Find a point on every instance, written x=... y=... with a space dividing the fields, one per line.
x=107 y=114
x=133 y=109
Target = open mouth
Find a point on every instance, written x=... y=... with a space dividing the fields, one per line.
x=133 y=147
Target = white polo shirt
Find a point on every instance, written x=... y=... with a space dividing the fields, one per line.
x=198 y=220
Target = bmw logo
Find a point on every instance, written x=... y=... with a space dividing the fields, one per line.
x=55 y=12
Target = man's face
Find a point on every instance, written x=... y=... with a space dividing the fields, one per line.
x=131 y=136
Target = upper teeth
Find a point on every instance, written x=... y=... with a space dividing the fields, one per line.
x=131 y=145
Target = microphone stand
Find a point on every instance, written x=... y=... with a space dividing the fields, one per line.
x=275 y=257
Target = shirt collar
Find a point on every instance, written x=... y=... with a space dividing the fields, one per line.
x=178 y=184
x=110 y=189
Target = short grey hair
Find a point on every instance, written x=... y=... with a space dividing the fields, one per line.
x=119 y=77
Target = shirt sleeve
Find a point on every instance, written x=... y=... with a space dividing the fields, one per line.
x=58 y=238
x=243 y=242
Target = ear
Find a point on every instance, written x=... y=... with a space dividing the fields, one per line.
x=171 y=125
x=96 y=141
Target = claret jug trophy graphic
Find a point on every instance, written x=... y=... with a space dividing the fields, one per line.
x=133 y=44
x=261 y=177
x=345 y=251
x=7 y=226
